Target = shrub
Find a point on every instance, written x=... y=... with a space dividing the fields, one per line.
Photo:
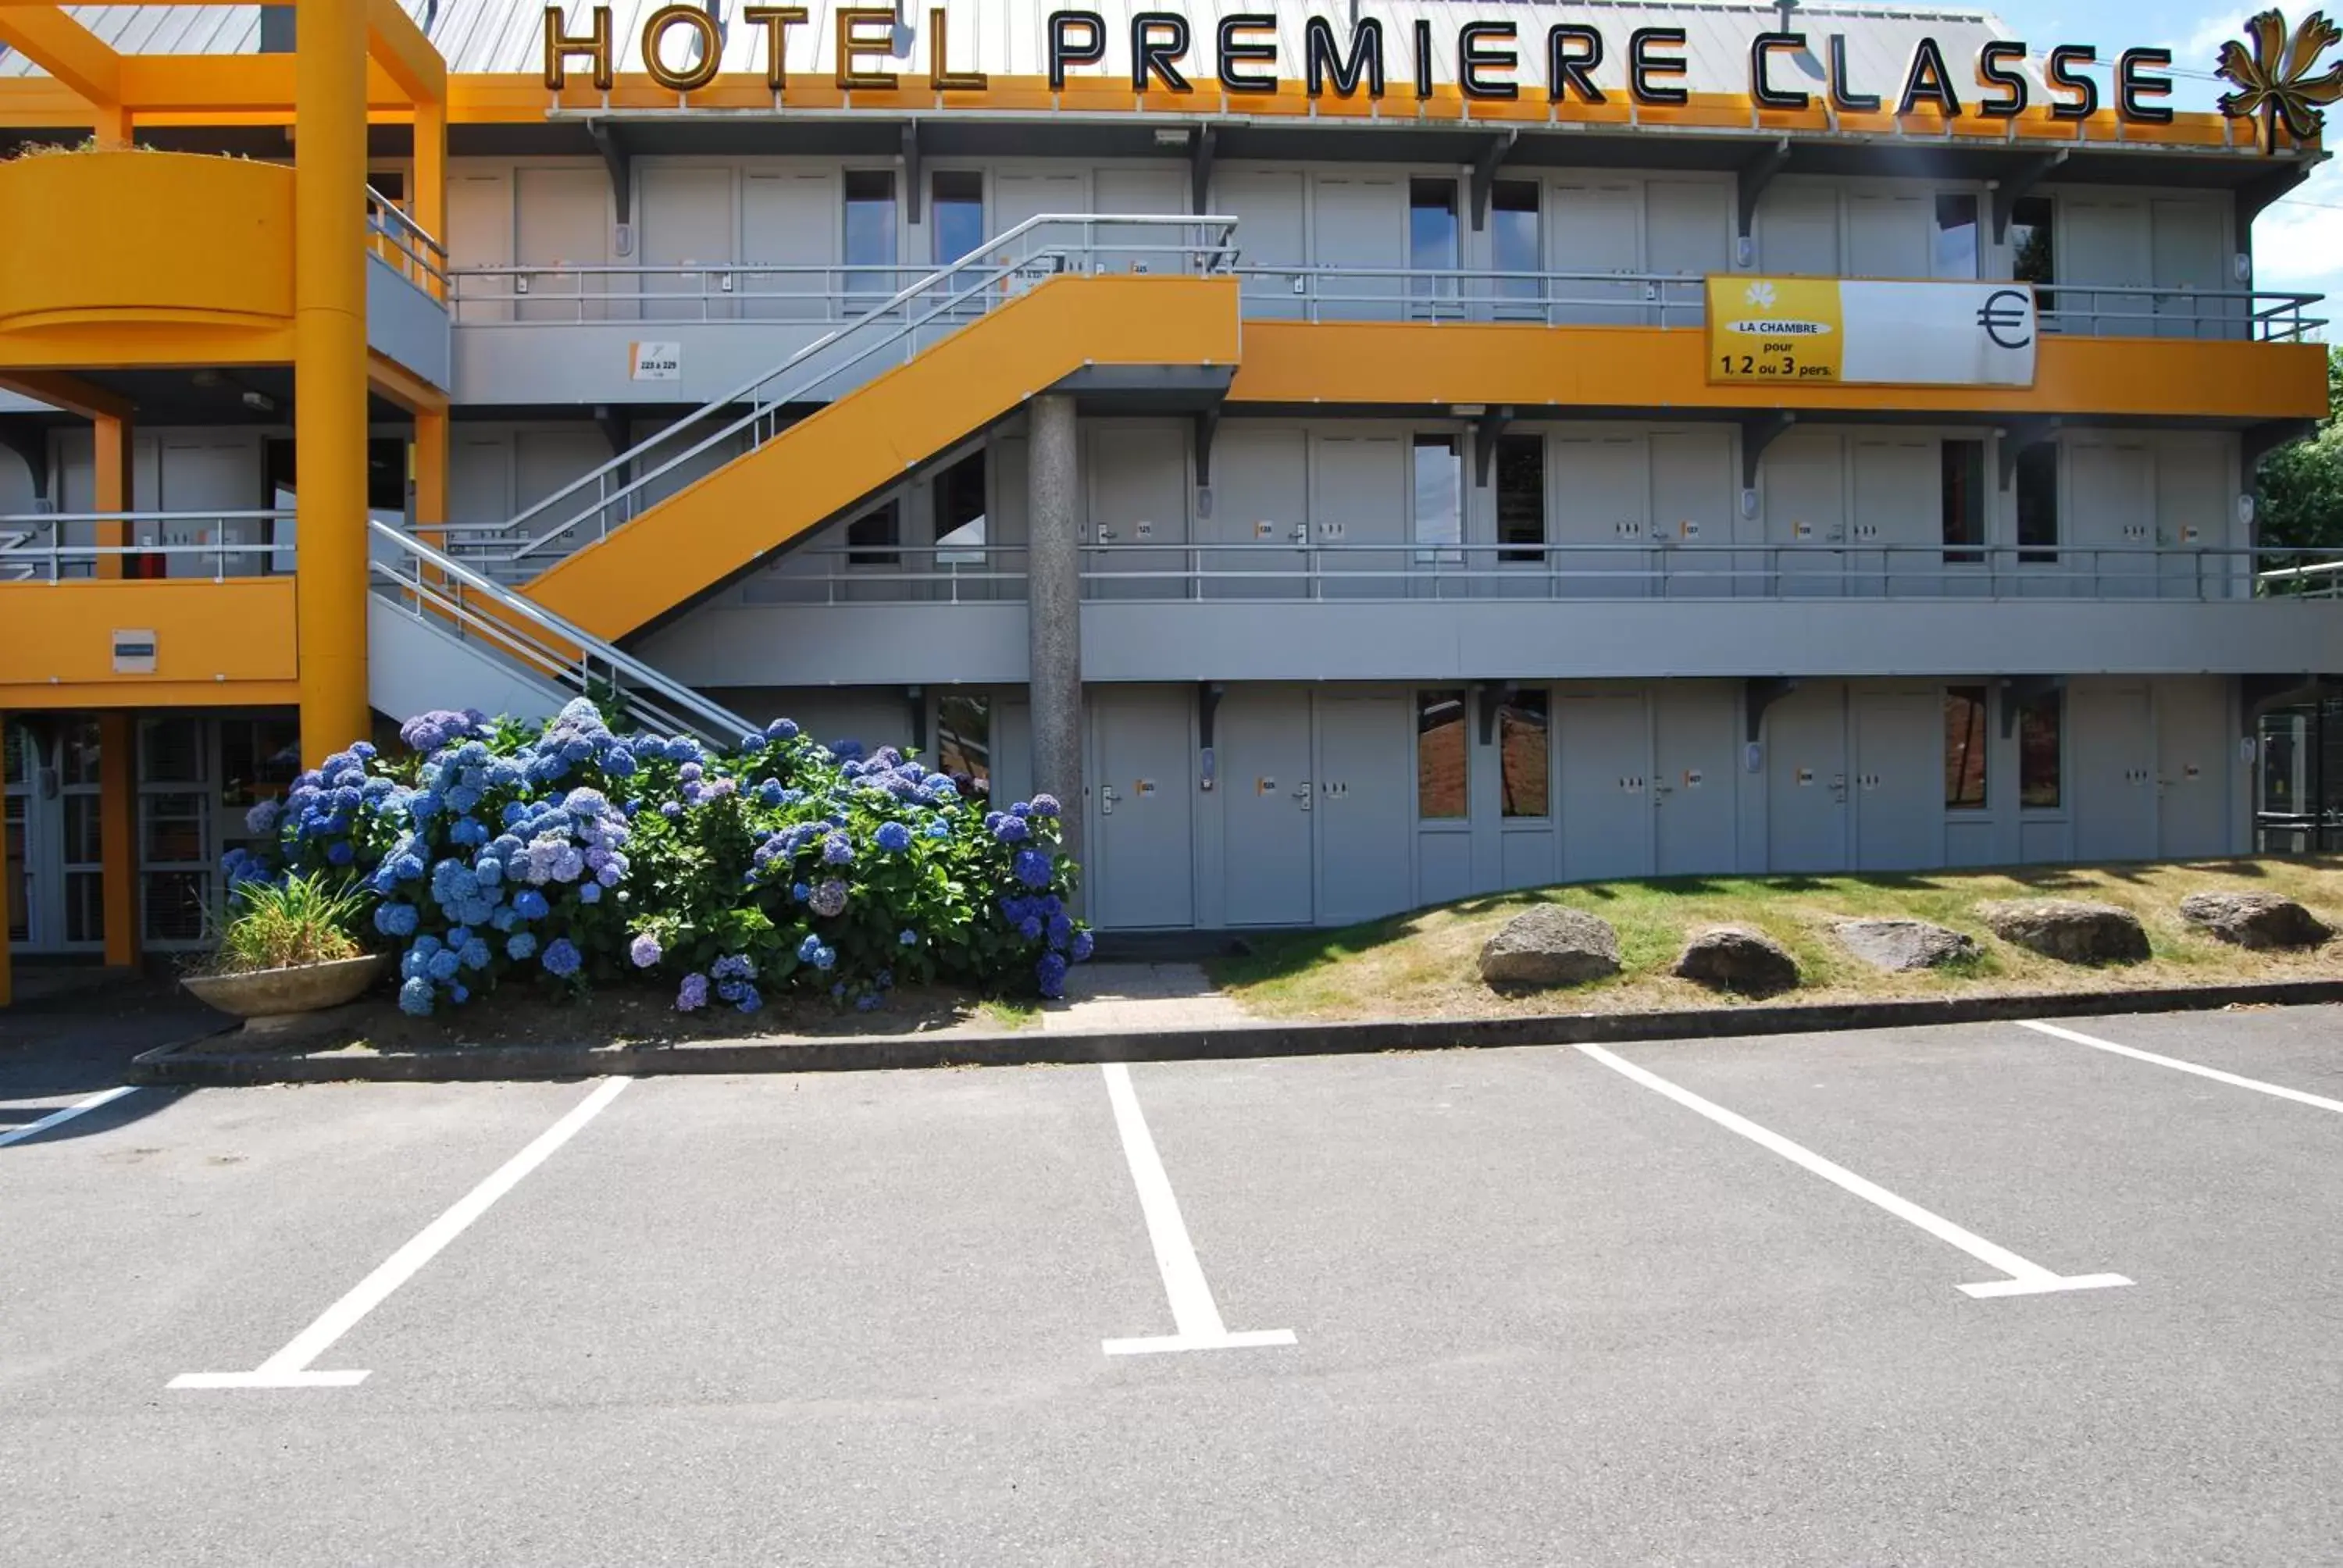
x=576 y=854
x=297 y=919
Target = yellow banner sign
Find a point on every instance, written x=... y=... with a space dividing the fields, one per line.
x=1843 y=331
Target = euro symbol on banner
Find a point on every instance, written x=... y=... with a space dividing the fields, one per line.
x=2004 y=309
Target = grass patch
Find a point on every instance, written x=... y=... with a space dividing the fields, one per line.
x=1422 y=964
x=1008 y=1016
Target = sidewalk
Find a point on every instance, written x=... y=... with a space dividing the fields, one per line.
x=1138 y=998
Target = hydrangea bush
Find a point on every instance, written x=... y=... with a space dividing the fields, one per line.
x=576 y=854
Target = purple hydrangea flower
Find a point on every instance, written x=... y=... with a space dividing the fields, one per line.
x=645 y=951
x=828 y=899
x=1045 y=806
x=692 y=995
x=838 y=850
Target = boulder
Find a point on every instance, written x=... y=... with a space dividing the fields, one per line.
x=1896 y=945
x=2069 y=930
x=1737 y=959
x=2254 y=920
x=1550 y=946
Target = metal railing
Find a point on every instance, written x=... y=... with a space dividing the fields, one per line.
x=410 y=250
x=1401 y=571
x=751 y=291
x=944 y=298
x=437 y=590
x=33 y=547
x=1293 y=571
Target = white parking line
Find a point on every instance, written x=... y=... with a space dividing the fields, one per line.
x=32 y=1128
x=289 y=1368
x=1192 y=1312
x=2025 y=1278
x=2215 y=1074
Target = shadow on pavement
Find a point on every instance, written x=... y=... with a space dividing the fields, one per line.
x=72 y=1032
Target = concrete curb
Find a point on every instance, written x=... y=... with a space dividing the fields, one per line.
x=177 y=1064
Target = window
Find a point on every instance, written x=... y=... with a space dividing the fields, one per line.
x=1520 y=497
x=1513 y=238
x=960 y=513
x=2038 y=504
x=259 y=759
x=876 y=537
x=1524 y=758
x=1439 y=497
x=1964 y=500
x=2031 y=258
x=1956 y=236
x=870 y=235
x=2039 y=753
x=1440 y=756
x=1432 y=235
x=1964 y=748
x=964 y=742
x=956 y=208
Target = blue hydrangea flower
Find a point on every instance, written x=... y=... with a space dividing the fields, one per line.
x=1030 y=867
x=1083 y=942
x=1061 y=931
x=1030 y=928
x=828 y=899
x=415 y=998
x=521 y=947
x=261 y=821
x=733 y=966
x=474 y=954
x=940 y=828
x=589 y=892
x=781 y=730
x=807 y=948
x=909 y=938
x=561 y=957
x=1044 y=806
x=894 y=837
x=692 y=995
x=838 y=850
x=443 y=964
x=530 y=904
x=1011 y=831
x=1051 y=974
x=395 y=920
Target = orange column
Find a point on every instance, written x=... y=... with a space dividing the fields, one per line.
x=113 y=129
x=329 y=372
x=429 y=199
x=117 y=832
x=112 y=490
x=431 y=475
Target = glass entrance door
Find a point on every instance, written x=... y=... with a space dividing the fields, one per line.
x=54 y=879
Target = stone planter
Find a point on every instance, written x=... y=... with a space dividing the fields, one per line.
x=275 y=993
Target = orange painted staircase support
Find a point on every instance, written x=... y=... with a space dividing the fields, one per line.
x=855 y=448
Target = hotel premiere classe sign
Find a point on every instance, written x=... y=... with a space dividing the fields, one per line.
x=1494 y=58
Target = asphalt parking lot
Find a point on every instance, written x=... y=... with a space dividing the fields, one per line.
x=1989 y=1293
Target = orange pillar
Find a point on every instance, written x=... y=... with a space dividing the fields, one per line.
x=429 y=199
x=113 y=129
x=430 y=474
x=111 y=490
x=329 y=373
x=117 y=833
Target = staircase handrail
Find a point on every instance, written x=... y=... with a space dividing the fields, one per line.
x=1220 y=248
x=718 y=723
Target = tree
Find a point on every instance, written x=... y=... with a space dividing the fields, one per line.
x=2298 y=493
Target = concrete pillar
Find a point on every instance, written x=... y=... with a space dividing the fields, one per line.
x=1053 y=560
x=9 y=892
x=117 y=833
x=329 y=373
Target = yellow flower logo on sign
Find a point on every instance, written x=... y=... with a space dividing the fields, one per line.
x=2274 y=79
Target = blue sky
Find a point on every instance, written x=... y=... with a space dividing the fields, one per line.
x=2298 y=243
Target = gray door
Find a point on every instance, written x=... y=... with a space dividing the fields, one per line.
x=2104 y=239
x=1797 y=230
x=1359 y=496
x=1807 y=782
x=2115 y=797
x=1593 y=234
x=1899 y=811
x=2192 y=516
x=2111 y=493
x=789 y=222
x=1260 y=504
x=1899 y=526
x=1890 y=235
x=204 y=475
x=563 y=220
x=1267 y=796
x=1599 y=520
x=1141 y=864
x=1693 y=510
x=1692 y=780
x=1268 y=208
x=1687 y=226
x=1804 y=476
x=1361 y=224
x=480 y=233
x=1138 y=510
x=687 y=224
x=1362 y=809
x=1139 y=247
x=1606 y=799
x=2192 y=258
x=2192 y=769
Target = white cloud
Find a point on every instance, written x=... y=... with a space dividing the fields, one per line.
x=2298 y=242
